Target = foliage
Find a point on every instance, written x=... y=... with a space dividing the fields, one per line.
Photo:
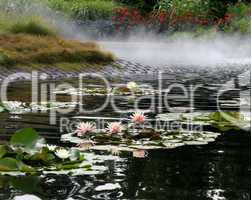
x=26 y=153
x=87 y=9
x=14 y=23
x=142 y=5
x=242 y=25
x=182 y=7
x=238 y=18
x=27 y=138
x=240 y=9
x=127 y=19
x=217 y=120
x=32 y=27
x=139 y=134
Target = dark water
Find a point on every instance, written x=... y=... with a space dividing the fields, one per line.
x=218 y=171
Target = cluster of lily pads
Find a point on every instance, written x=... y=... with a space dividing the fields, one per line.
x=137 y=135
x=17 y=107
x=222 y=121
x=129 y=89
x=27 y=152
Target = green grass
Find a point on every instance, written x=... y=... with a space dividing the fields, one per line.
x=33 y=27
x=9 y=23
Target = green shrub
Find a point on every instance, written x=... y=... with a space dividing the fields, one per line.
x=242 y=25
x=241 y=19
x=33 y=27
x=85 y=9
x=240 y=9
x=142 y=5
x=182 y=7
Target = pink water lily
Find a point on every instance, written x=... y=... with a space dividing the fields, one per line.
x=115 y=127
x=138 y=117
x=140 y=153
x=84 y=128
x=86 y=145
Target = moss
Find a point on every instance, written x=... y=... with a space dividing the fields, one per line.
x=36 y=51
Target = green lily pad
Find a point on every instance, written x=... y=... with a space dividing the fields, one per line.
x=9 y=164
x=3 y=150
x=26 y=138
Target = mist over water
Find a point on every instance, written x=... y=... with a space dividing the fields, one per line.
x=147 y=48
x=221 y=49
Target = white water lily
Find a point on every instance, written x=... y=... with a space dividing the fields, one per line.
x=108 y=186
x=132 y=86
x=26 y=197
x=62 y=153
x=40 y=144
x=51 y=147
x=15 y=106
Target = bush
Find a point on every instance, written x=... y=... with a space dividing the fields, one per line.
x=142 y=5
x=242 y=25
x=238 y=18
x=33 y=27
x=240 y=9
x=182 y=7
x=85 y=9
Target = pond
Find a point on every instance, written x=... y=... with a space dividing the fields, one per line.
x=219 y=170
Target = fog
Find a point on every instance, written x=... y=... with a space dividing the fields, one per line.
x=148 y=48
x=221 y=49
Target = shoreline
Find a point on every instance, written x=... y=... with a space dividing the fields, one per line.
x=118 y=69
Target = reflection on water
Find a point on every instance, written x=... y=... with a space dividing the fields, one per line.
x=212 y=172
x=218 y=171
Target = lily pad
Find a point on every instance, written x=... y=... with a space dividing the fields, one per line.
x=9 y=164
x=26 y=138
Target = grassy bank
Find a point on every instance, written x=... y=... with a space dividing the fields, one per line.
x=30 y=42
x=23 y=50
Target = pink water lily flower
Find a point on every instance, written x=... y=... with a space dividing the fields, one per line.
x=84 y=128
x=138 y=117
x=115 y=127
x=140 y=153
